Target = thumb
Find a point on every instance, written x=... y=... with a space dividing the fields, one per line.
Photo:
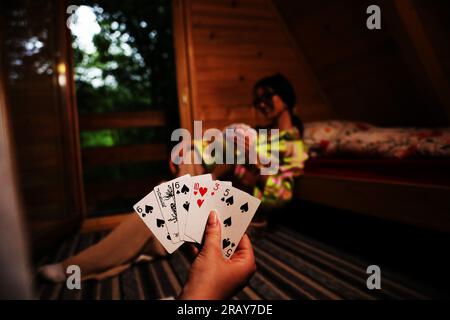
x=212 y=233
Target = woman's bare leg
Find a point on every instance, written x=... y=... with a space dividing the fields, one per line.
x=122 y=245
x=112 y=253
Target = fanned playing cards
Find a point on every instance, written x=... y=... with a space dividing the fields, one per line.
x=177 y=211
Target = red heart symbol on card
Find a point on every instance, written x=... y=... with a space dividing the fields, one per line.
x=195 y=192
x=200 y=202
x=203 y=191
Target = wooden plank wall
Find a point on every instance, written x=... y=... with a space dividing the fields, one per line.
x=42 y=121
x=231 y=45
x=365 y=74
x=16 y=281
x=435 y=19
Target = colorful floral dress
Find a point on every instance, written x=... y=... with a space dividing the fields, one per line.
x=278 y=187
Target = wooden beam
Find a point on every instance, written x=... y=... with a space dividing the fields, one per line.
x=124 y=154
x=16 y=281
x=116 y=120
x=103 y=223
x=183 y=66
x=102 y=192
x=315 y=85
x=423 y=47
x=71 y=110
x=401 y=202
x=427 y=172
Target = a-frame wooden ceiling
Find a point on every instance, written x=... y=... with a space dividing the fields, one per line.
x=395 y=76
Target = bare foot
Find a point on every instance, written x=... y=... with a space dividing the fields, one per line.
x=53 y=272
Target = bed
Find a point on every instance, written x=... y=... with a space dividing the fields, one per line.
x=390 y=173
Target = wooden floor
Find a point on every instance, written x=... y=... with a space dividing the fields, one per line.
x=290 y=266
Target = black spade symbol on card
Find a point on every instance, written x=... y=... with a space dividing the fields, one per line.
x=244 y=207
x=148 y=209
x=227 y=222
x=186 y=206
x=160 y=223
x=225 y=243
x=229 y=201
x=168 y=237
x=178 y=191
x=184 y=189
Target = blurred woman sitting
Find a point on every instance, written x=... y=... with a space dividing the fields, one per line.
x=274 y=98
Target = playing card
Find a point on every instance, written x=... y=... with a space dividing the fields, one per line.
x=165 y=194
x=183 y=194
x=218 y=185
x=149 y=211
x=183 y=197
x=188 y=209
x=235 y=210
x=202 y=200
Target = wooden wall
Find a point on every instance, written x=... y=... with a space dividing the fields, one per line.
x=396 y=76
x=43 y=122
x=376 y=76
x=435 y=19
x=39 y=110
x=15 y=276
x=230 y=45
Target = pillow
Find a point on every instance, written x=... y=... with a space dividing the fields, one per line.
x=435 y=143
x=379 y=142
x=323 y=138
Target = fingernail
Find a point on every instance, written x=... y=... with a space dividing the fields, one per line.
x=212 y=221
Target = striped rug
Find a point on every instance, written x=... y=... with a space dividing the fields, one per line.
x=290 y=266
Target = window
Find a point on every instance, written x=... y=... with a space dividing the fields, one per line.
x=126 y=90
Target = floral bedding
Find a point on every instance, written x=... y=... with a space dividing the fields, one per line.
x=362 y=139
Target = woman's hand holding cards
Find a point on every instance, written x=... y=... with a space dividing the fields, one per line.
x=212 y=276
x=177 y=211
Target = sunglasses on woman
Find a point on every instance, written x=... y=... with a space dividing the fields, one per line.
x=263 y=102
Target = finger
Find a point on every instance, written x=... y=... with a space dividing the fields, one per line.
x=212 y=233
x=247 y=145
x=173 y=168
x=193 y=249
x=245 y=243
x=244 y=249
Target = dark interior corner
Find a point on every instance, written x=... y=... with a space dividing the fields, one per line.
x=91 y=92
x=414 y=252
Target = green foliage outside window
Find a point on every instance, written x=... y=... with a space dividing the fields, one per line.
x=119 y=137
x=123 y=61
